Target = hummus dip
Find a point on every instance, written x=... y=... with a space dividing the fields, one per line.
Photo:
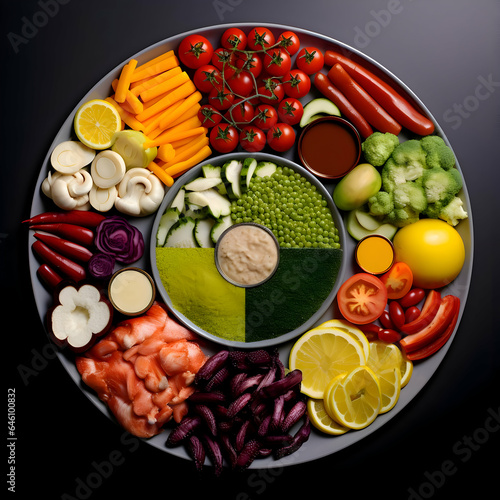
x=247 y=254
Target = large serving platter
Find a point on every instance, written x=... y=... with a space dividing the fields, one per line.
x=318 y=445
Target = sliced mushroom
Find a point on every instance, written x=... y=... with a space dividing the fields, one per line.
x=70 y=156
x=69 y=192
x=103 y=199
x=107 y=169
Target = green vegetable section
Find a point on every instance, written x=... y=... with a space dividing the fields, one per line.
x=303 y=281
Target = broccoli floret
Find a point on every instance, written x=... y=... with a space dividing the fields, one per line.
x=381 y=203
x=401 y=217
x=378 y=147
x=438 y=154
x=410 y=195
x=393 y=174
x=454 y=212
x=441 y=185
x=410 y=154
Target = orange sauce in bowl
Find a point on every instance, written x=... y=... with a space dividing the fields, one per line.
x=329 y=147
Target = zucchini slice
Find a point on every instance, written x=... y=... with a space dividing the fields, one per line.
x=202 y=183
x=179 y=200
x=167 y=220
x=202 y=230
x=265 y=168
x=219 y=227
x=231 y=177
x=247 y=171
x=181 y=234
x=218 y=205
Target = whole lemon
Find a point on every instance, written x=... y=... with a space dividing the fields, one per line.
x=433 y=249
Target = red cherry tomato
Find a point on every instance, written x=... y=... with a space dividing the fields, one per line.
x=290 y=42
x=271 y=91
x=233 y=38
x=241 y=112
x=249 y=61
x=224 y=138
x=260 y=38
x=221 y=99
x=362 y=298
x=396 y=314
x=265 y=116
x=277 y=62
x=412 y=298
x=224 y=60
x=411 y=314
x=385 y=320
x=241 y=83
x=296 y=84
x=290 y=111
x=281 y=137
x=207 y=77
x=398 y=280
x=252 y=139
x=195 y=51
x=389 y=336
x=209 y=116
x=310 y=60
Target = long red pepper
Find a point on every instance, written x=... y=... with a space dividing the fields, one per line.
x=65 y=247
x=78 y=234
x=49 y=276
x=79 y=217
x=58 y=262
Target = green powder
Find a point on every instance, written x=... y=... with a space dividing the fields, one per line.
x=200 y=293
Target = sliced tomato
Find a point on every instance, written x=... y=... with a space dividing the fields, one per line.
x=398 y=280
x=362 y=298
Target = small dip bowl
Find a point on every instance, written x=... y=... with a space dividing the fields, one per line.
x=329 y=147
x=374 y=254
x=131 y=291
x=238 y=258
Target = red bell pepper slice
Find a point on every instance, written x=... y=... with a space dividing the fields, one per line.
x=429 y=311
x=439 y=324
x=434 y=346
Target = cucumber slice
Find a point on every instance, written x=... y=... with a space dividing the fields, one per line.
x=167 y=220
x=195 y=211
x=357 y=231
x=219 y=227
x=265 y=168
x=231 y=177
x=367 y=220
x=202 y=231
x=181 y=234
x=202 y=183
x=179 y=201
x=217 y=204
x=247 y=171
x=316 y=108
x=210 y=171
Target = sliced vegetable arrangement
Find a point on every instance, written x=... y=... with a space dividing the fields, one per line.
x=251 y=90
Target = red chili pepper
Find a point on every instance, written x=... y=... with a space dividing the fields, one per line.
x=372 y=111
x=78 y=234
x=79 y=217
x=70 y=269
x=65 y=247
x=395 y=104
x=326 y=87
x=48 y=276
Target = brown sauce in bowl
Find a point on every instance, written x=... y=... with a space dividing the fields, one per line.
x=329 y=147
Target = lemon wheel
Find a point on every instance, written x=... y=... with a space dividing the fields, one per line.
x=322 y=420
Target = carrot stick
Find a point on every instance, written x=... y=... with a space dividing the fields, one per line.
x=152 y=124
x=166 y=153
x=148 y=83
x=127 y=117
x=192 y=99
x=155 y=69
x=131 y=103
x=177 y=144
x=182 y=166
x=124 y=80
x=161 y=174
x=192 y=111
x=169 y=136
x=165 y=86
x=188 y=150
x=154 y=61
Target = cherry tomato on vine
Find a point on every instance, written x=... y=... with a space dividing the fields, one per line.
x=233 y=38
x=252 y=139
x=277 y=62
x=224 y=138
x=260 y=38
x=281 y=137
x=266 y=116
x=224 y=60
x=271 y=91
x=290 y=111
x=241 y=83
x=209 y=116
x=297 y=83
x=290 y=42
x=250 y=62
x=206 y=78
x=310 y=60
x=398 y=280
x=195 y=51
x=221 y=99
x=241 y=112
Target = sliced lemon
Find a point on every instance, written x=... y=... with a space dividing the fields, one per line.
x=406 y=370
x=390 y=387
x=96 y=122
x=321 y=354
x=355 y=399
x=383 y=356
x=352 y=329
x=321 y=420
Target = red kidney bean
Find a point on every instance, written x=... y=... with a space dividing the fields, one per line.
x=412 y=298
x=388 y=335
x=411 y=314
x=386 y=321
x=397 y=314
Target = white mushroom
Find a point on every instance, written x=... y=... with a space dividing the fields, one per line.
x=107 y=169
x=70 y=156
x=69 y=192
x=140 y=193
x=103 y=199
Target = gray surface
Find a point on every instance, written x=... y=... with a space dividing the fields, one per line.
x=447 y=53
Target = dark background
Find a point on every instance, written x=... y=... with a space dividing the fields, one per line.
x=445 y=440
